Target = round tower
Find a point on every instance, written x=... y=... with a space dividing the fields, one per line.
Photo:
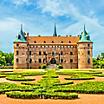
x=85 y=46
x=20 y=50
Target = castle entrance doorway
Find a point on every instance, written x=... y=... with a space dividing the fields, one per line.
x=53 y=61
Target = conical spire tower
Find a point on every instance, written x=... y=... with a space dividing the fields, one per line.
x=55 y=31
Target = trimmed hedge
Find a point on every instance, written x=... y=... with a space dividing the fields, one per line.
x=5 y=87
x=89 y=87
x=66 y=83
x=52 y=76
x=34 y=95
x=80 y=77
x=18 y=78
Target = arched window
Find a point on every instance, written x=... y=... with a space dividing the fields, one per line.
x=39 y=52
x=30 y=60
x=61 y=41
x=71 y=53
x=44 y=41
x=34 y=41
x=61 y=60
x=39 y=60
x=17 y=52
x=52 y=53
x=17 y=60
x=88 y=52
x=29 y=52
x=71 y=60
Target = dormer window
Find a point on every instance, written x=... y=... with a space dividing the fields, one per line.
x=69 y=41
x=19 y=37
x=52 y=41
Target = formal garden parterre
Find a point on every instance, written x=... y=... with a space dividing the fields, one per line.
x=50 y=86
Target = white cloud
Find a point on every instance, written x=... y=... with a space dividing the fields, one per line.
x=9 y=24
x=67 y=8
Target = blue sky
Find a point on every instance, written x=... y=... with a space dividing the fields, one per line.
x=39 y=16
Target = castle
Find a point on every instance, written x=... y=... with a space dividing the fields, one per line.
x=71 y=52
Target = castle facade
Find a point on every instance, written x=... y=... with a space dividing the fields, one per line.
x=72 y=52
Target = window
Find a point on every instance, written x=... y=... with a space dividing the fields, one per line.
x=44 y=41
x=69 y=41
x=88 y=45
x=61 y=60
x=34 y=41
x=71 y=53
x=52 y=53
x=88 y=52
x=71 y=60
x=61 y=41
x=17 y=45
x=61 y=53
x=52 y=41
x=44 y=53
x=29 y=52
x=17 y=60
x=88 y=60
x=30 y=60
x=39 y=52
x=39 y=60
x=17 y=52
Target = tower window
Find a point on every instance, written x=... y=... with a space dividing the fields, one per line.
x=17 y=52
x=88 y=60
x=17 y=60
x=30 y=60
x=39 y=52
x=88 y=45
x=71 y=53
x=88 y=52
x=39 y=60
x=71 y=60
x=17 y=45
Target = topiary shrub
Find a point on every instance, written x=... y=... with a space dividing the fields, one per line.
x=43 y=66
x=59 y=66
